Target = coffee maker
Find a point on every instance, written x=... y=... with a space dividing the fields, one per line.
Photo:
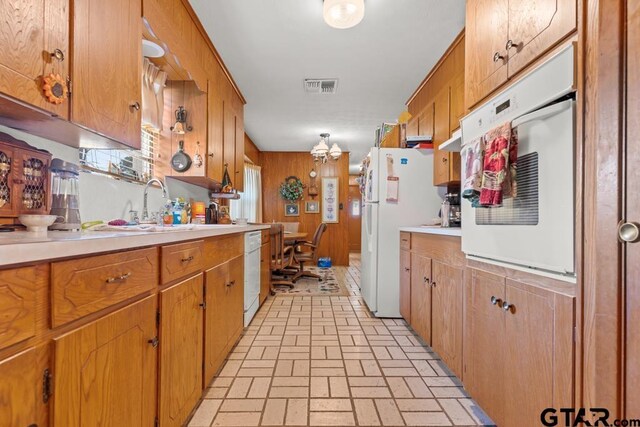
x=65 y=192
x=455 y=218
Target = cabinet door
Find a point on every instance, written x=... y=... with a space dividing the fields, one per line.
x=529 y=339
x=486 y=34
x=265 y=271
x=107 y=68
x=8 y=164
x=105 y=372
x=425 y=121
x=239 y=151
x=235 y=302
x=535 y=26
x=485 y=343
x=446 y=314
x=441 y=159
x=456 y=111
x=405 y=285
x=229 y=134
x=20 y=389
x=215 y=320
x=32 y=188
x=30 y=31
x=421 y=296
x=215 y=132
x=181 y=308
x=412 y=126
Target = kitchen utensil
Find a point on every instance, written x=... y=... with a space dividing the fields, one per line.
x=180 y=162
x=65 y=191
x=37 y=223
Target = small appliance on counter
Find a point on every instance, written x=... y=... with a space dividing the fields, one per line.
x=65 y=191
x=454 y=215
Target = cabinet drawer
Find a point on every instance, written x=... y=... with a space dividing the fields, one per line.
x=405 y=240
x=87 y=285
x=218 y=250
x=181 y=260
x=18 y=303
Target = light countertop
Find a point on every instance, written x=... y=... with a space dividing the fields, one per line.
x=21 y=247
x=434 y=229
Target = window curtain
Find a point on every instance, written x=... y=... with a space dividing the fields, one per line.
x=153 y=82
x=250 y=203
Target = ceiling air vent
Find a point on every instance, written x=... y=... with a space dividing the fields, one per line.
x=323 y=86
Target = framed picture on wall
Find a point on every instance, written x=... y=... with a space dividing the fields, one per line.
x=330 y=200
x=291 y=209
x=312 y=206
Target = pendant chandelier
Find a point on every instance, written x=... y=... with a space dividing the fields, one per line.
x=322 y=153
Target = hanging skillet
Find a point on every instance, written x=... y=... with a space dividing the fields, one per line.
x=180 y=161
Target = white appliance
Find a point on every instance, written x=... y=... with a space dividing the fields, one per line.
x=418 y=201
x=535 y=230
x=252 y=244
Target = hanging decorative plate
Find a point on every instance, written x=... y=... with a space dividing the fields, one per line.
x=54 y=88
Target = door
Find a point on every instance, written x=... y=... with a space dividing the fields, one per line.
x=528 y=362
x=355 y=218
x=229 y=138
x=486 y=33
x=8 y=164
x=215 y=132
x=181 y=321
x=33 y=190
x=31 y=31
x=421 y=296
x=107 y=67
x=632 y=250
x=20 y=389
x=105 y=372
x=425 y=121
x=235 y=301
x=446 y=314
x=215 y=321
x=534 y=27
x=239 y=149
x=405 y=285
x=484 y=346
x=441 y=159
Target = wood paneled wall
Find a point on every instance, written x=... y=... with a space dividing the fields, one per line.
x=250 y=150
x=276 y=166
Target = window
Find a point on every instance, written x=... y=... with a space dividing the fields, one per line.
x=131 y=165
x=250 y=204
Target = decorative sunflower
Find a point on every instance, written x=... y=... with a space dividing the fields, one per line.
x=55 y=88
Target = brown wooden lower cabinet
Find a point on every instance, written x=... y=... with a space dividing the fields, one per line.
x=421 y=296
x=265 y=272
x=180 y=377
x=105 y=371
x=520 y=348
x=447 y=302
x=224 y=319
x=405 y=284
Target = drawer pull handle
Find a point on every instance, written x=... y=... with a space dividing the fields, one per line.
x=433 y=284
x=407 y=269
x=58 y=55
x=494 y=300
x=497 y=57
x=203 y=305
x=426 y=280
x=188 y=259
x=154 y=342
x=231 y=283
x=135 y=106
x=506 y=306
x=121 y=278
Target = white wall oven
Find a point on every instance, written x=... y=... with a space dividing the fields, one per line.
x=535 y=229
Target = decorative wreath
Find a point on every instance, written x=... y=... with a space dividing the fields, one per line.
x=54 y=88
x=292 y=189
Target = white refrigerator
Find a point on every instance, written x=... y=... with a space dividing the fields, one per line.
x=398 y=192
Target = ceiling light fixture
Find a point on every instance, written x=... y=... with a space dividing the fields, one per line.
x=343 y=14
x=321 y=151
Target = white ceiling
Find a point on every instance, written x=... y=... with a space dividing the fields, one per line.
x=270 y=46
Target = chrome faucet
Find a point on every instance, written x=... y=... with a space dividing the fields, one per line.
x=145 y=210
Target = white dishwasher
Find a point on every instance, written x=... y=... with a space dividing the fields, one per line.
x=252 y=244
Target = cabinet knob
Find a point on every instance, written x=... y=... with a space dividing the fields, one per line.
x=154 y=342
x=58 y=55
x=426 y=280
x=407 y=269
x=497 y=57
x=510 y=44
x=628 y=232
x=433 y=284
x=203 y=305
x=445 y=160
x=211 y=155
x=135 y=106
x=506 y=306
x=494 y=300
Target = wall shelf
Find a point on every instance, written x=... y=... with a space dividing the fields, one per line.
x=452 y=144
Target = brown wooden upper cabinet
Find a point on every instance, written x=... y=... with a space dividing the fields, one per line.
x=35 y=43
x=504 y=36
x=107 y=67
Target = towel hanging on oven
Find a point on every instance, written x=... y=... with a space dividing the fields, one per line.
x=499 y=166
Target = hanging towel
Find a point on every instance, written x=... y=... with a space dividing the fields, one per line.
x=472 y=155
x=496 y=172
x=511 y=186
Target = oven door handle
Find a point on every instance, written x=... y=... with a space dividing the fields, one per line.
x=542 y=113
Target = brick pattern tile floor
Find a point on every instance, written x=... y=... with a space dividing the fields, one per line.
x=324 y=361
